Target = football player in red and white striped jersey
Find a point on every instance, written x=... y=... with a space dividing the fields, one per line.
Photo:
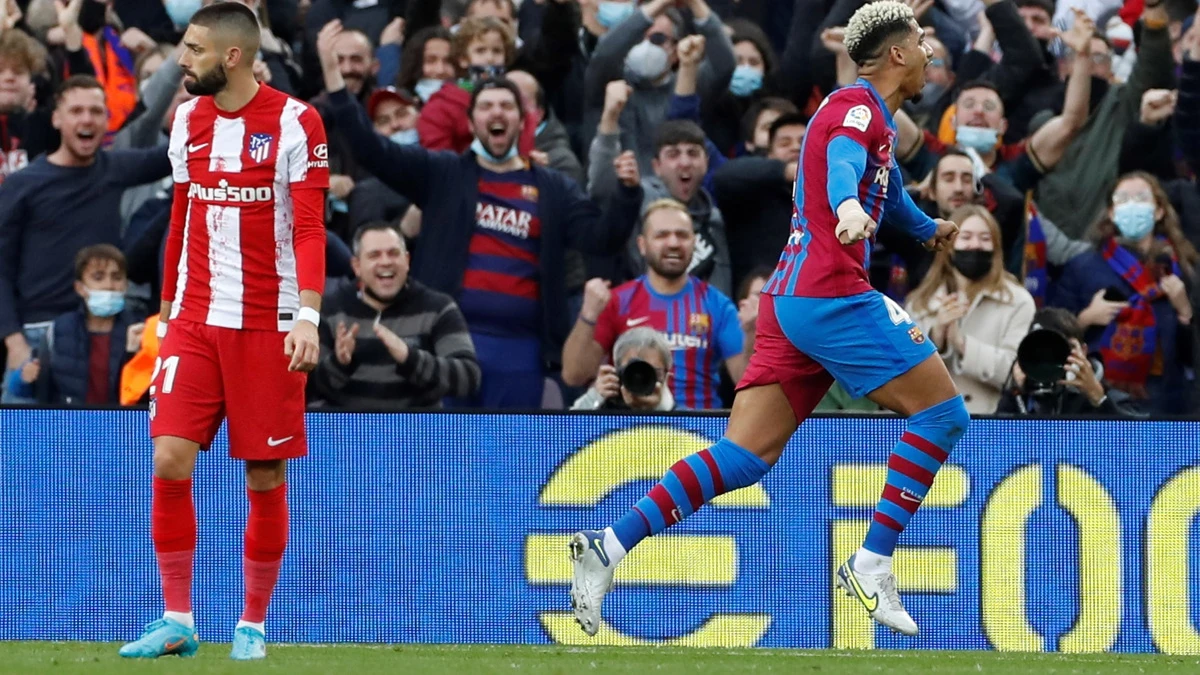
x=241 y=302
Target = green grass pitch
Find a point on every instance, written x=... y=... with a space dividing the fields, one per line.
x=80 y=657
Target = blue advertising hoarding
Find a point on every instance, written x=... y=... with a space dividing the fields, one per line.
x=444 y=528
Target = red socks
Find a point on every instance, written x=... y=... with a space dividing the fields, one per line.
x=173 y=529
x=266 y=539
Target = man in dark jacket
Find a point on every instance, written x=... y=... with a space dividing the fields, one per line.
x=755 y=194
x=495 y=229
x=388 y=342
x=79 y=360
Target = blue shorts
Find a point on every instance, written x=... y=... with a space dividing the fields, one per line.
x=864 y=341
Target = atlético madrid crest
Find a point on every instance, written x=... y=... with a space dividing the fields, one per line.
x=260 y=147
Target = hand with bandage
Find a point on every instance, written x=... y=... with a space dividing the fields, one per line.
x=854 y=224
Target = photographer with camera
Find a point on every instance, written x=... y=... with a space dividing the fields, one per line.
x=638 y=381
x=1132 y=296
x=1054 y=375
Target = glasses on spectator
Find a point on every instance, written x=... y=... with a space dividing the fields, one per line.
x=1102 y=58
x=659 y=39
x=937 y=63
x=1126 y=197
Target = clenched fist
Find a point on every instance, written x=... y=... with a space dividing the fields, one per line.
x=626 y=167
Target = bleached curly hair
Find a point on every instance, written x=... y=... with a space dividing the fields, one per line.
x=872 y=25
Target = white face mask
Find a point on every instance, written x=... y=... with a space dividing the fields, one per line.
x=645 y=63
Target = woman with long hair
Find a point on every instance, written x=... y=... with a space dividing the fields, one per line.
x=974 y=311
x=1132 y=295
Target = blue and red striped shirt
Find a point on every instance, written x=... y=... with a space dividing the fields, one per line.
x=814 y=263
x=699 y=322
x=501 y=292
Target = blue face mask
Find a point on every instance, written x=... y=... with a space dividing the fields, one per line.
x=181 y=11
x=105 y=303
x=979 y=139
x=610 y=14
x=1134 y=220
x=427 y=87
x=746 y=80
x=405 y=137
x=478 y=149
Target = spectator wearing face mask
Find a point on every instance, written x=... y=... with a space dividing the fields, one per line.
x=1132 y=295
x=482 y=47
x=79 y=360
x=974 y=312
x=977 y=122
x=502 y=227
x=642 y=51
x=1076 y=192
x=393 y=113
x=954 y=183
x=426 y=64
x=65 y=200
x=753 y=79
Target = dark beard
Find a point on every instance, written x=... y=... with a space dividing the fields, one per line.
x=209 y=84
x=658 y=269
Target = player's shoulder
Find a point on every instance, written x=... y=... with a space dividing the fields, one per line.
x=184 y=111
x=851 y=106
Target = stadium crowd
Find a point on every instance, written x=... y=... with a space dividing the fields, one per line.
x=528 y=198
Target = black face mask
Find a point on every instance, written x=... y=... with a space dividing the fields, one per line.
x=92 y=15
x=973 y=264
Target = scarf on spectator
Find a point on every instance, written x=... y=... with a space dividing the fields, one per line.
x=1129 y=342
x=1034 y=265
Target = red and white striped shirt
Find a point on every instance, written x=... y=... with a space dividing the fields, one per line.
x=247 y=225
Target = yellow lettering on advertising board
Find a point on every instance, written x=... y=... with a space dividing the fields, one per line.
x=597 y=470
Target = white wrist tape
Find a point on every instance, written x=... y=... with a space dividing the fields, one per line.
x=161 y=329
x=310 y=315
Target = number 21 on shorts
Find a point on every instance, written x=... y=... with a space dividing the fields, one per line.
x=170 y=365
x=895 y=312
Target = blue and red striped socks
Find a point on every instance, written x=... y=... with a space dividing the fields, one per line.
x=689 y=484
x=912 y=466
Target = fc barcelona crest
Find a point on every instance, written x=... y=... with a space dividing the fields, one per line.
x=260 y=147
x=916 y=335
x=529 y=193
x=699 y=324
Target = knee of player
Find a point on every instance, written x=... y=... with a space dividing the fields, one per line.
x=956 y=416
x=174 y=458
x=950 y=418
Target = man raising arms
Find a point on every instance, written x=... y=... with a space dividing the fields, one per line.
x=245 y=265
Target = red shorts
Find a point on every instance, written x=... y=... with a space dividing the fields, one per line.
x=777 y=361
x=205 y=374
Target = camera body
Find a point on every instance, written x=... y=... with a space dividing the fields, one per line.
x=638 y=377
